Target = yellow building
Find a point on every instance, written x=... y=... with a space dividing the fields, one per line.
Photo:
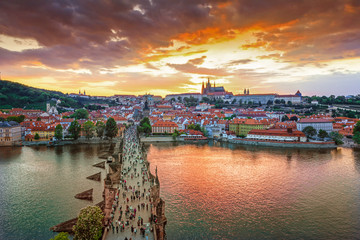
x=243 y=126
x=44 y=132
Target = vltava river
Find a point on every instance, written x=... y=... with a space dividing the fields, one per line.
x=211 y=192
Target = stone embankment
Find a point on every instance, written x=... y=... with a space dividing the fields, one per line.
x=327 y=145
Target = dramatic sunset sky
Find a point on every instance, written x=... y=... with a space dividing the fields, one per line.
x=111 y=47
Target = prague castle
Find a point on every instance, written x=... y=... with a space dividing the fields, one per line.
x=219 y=92
x=215 y=91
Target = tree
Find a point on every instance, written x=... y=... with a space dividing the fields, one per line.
x=36 y=137
x=80 y=114
x=100 y=129
x=38 y=119
x=88 y=127
x=357 y=128
x=277 y=101
x=58 y=132
x=206 y=99
x=17 y=119
x=285 y=118
x=61 y=236
x=337 y=138
x=145 y=126
x=89 y=224
x=75 y=129
x=309 y=131
x=322 y=134
x=111 y=129
x=233 y=101
x=356 y=133
x=294 y=118
x=356 y=137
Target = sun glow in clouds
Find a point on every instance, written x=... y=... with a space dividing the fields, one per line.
x=127 y=47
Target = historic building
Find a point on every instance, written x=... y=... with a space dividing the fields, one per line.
x=213 y=90
x=164 y=127
x=317 y=123
x=10 y=133
x=294 y=99
x=286 y=135
x=243 y=126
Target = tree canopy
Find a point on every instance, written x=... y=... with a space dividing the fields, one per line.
x=75 y=129
x=80 y=114
x=100 y=129
x=61 y=236
x=309 y=131
x=356 y=133
x=89 y=224
x=145 y=126
x=58 y=132
x=322 y=134
x=111 y=128
x=88 y=128
x=337 y=138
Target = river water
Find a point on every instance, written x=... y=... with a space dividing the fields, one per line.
x=219 y=191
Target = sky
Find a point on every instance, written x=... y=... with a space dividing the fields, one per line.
x=161 y=47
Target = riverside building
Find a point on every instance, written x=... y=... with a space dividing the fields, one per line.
x=317 y=123
x=283 y=135
x=10 y=133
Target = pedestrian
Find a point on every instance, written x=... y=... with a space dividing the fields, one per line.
x=117 y=229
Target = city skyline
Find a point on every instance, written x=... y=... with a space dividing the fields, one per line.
x=165 y=47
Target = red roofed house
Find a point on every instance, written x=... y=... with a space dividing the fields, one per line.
x=164 y=127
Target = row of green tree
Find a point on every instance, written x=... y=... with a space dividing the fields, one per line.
x=311 y=132
x=17 y=119
x=334 y=100
x=109 y=129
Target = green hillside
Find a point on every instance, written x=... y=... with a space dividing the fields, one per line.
x=15 y=95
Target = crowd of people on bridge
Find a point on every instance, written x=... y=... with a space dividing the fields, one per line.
x=132 y=205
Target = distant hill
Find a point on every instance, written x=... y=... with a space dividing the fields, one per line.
x=16 y=95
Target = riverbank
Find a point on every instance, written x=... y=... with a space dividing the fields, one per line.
x=153 y=139
x=326 y=145
x=70 y=142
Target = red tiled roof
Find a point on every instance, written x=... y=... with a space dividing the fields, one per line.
x=164 y=124
x=315 y=120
